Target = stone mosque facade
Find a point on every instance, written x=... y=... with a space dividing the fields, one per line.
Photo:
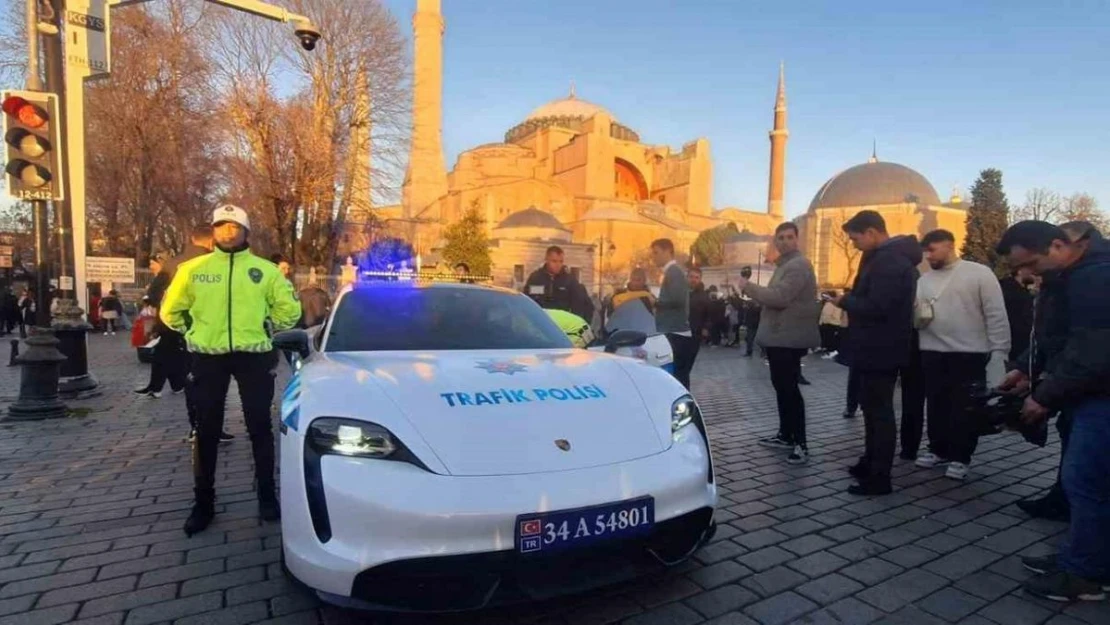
x=571 y=174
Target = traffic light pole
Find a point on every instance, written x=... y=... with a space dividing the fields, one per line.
x=39 y=363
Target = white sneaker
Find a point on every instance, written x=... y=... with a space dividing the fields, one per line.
x=929 y=460
x=113 y=334
x=105 y=334
x=155 y=395
x=800 y=455
x=956 y=471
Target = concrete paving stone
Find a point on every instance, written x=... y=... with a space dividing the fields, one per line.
x=755 y=522
x=879 y=522
x=799 y=527
x=307 y=617
x=1011 y=610
x=761 y=538
x=941 y=543
x=909 y=556
x=115 y=618
x=135 y=567
x=892 y=594
x=223 y=551
x=1010 y=540
x=296 y=602
x=222 y=581
x=825 y=590
x=779 y=609
x=824 y=503
x=909 y=512
x=181 y=573
x=69 y=551
x=654 y=593
x=172 y=610
x=27 y=572
x=971 y=531
x=720 y=573
x=47 y=583
x=842 y=533
x=893 y=537
x=111 y=602
x=718 y=551
x=1011 y=567
x=721 y=600
x=750 y=507
x=834 y=517
x=818 y=564
x=986 y=585
x=910 y=615
x=268 y=556
x=1061 y=619
x=101 y=559
x=951 y=604
x=765 y=558
x=669 y=614
x=732 y=618
x=791 y=513
x=962 y=562
x=871 y=571
x=849 y=611
x=858 y=549
x=48 y=616
x=804 y=545
x=258 y=591
x=773 y=581
x=998 y=520
x=18 y=604
x=1091 y=612
x=238 y=615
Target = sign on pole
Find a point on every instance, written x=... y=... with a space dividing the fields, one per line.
x=6 y=250
x=103 y=269
x=88 y=44
x=6 y=262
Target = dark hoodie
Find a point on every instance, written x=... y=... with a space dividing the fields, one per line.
x=880 y=306
x=1073 y=332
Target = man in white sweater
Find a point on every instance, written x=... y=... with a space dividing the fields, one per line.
x=968 y=334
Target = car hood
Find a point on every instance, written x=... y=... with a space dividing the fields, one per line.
x=506 y=412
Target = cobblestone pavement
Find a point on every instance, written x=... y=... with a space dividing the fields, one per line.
x=91 y=509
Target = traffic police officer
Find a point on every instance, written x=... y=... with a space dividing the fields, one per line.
x=228 y=295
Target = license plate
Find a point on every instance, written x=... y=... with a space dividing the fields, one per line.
x=544 y=532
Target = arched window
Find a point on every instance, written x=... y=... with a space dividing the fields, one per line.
x=628 y=183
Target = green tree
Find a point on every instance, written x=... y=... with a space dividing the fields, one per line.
x=987 y=218
x=467 y=243
x=709 y=248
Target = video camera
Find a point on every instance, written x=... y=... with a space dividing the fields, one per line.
x=995 y=412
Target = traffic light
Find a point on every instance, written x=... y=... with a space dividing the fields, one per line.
x=32 y=136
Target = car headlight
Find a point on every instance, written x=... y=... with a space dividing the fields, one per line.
x=683 y=412
x=348 y=437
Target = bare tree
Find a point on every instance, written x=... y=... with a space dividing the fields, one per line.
x=302 y=155
x=841 y=247
x=1040 y=204
x=1084 y=207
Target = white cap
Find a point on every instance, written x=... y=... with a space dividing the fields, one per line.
x=232 y=213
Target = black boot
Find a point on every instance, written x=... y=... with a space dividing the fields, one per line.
x=203 y=511
x=268 y=508
x=1047 y=507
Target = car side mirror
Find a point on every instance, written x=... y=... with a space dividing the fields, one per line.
x=624 y=338
x=293 y=341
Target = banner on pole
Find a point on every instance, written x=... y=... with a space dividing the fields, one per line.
x=87 y=36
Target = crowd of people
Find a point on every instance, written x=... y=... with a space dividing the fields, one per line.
x=944 y=329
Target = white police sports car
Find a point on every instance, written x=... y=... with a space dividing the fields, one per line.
x=444 y=447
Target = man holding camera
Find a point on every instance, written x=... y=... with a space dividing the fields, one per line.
x=1069 y=374
x=789 y=330
x=964 y=334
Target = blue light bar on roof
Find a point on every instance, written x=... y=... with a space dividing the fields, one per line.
x=422 y=276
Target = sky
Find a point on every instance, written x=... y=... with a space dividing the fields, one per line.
x=947 y=87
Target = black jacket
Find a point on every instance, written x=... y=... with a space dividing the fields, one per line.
x=880 y=306
x=1019 y=310
x=1073 y=333
x=559 y=292
x=699 y=310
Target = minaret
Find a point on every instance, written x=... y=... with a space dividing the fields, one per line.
x=426 y=178
x=778 y=151
x=874 y=152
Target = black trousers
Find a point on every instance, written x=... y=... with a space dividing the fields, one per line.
x=749 y=338
x=913 y=403
x=685 y=349
x=948 y=378
x=1056 y=494
x=211 y=376
x=851 y=403
x=786 y=370
x=876 y=396
x=830 y=337
x=171 y=362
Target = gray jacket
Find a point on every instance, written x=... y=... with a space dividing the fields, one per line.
x=672 y=309
x=790 y=312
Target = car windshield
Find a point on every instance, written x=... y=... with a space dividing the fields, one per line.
x=412 y=318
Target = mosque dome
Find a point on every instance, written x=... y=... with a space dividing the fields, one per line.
x=568 y=107
x=874 y=184
x=531 y=217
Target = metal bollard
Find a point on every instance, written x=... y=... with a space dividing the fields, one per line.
x=14 y=354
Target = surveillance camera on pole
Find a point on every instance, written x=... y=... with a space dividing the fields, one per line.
x=306 y=32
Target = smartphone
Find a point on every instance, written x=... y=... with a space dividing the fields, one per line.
x=825 y=297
